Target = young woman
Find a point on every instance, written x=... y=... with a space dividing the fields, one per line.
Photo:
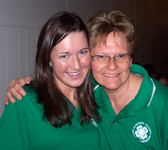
x=58 y=111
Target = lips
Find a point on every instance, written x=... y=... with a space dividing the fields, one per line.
x=73 y=74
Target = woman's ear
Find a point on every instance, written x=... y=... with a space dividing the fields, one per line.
x=130 y=62
x=50 y=63
x=51 y=66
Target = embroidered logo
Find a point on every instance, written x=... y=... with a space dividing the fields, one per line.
x=93 y=122
x=142 y=132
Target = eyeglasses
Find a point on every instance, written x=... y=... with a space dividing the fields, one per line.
x=121 y=58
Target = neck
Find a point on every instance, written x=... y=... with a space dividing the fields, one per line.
x=71 y=96
x=120 y=97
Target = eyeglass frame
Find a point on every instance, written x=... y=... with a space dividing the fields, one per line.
x=109 y=57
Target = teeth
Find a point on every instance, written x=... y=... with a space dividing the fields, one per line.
x=110 y=75
x=74 y=74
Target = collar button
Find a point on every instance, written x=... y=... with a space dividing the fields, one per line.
x=115 y=122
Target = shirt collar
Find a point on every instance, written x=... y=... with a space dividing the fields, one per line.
x=146 y=92
x=142 y=100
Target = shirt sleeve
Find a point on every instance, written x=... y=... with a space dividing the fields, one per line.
x=13 y=127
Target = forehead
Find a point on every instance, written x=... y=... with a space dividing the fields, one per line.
x=75 y=41
x=113 y=42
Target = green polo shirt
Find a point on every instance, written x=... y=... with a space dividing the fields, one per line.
x=22 y=128
x=143 y=123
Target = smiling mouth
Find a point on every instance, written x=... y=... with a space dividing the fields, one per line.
x=74 y=74
x=111 y=75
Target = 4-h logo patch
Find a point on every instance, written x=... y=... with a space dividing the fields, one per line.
x=142 y=132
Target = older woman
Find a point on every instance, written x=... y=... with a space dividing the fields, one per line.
x=133 y=106
x=58 y=111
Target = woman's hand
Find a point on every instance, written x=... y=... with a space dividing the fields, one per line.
x=15 y=88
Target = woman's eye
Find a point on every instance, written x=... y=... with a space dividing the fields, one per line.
x=64 y=56
x=101 y=56
x=121 y=55
x=83 y=52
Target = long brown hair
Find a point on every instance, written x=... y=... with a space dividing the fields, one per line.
x=57 y=108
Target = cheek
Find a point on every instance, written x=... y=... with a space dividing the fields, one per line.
x=59 y=67
x=125 y=71
x=96 y=69
x=129 y=66
x=125 y=66
x=86 y=61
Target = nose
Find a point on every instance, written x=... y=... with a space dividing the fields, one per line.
x=112 y=65
x=75 y=63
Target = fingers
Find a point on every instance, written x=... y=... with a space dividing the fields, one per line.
x=10 y=98
x=11 y=90
x=28 y=80
x=15 y=88
x=24 y=81
x=6 y=101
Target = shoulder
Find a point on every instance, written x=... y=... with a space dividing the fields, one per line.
x=138 y=70
x=30 y=91
x=27 y=99
x=161 y=90
x=150 y=88
x=160 y=97
x=19 y=112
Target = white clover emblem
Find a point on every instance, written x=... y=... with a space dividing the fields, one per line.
x=141 y=132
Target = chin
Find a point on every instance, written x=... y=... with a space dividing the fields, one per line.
x=75 y=85
x=112 y=87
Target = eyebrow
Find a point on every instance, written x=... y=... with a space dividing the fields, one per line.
x=64 y=53
x=79 y=50
x=84 y=48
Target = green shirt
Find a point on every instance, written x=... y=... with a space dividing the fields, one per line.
x=143 y=123
x=22 y=128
